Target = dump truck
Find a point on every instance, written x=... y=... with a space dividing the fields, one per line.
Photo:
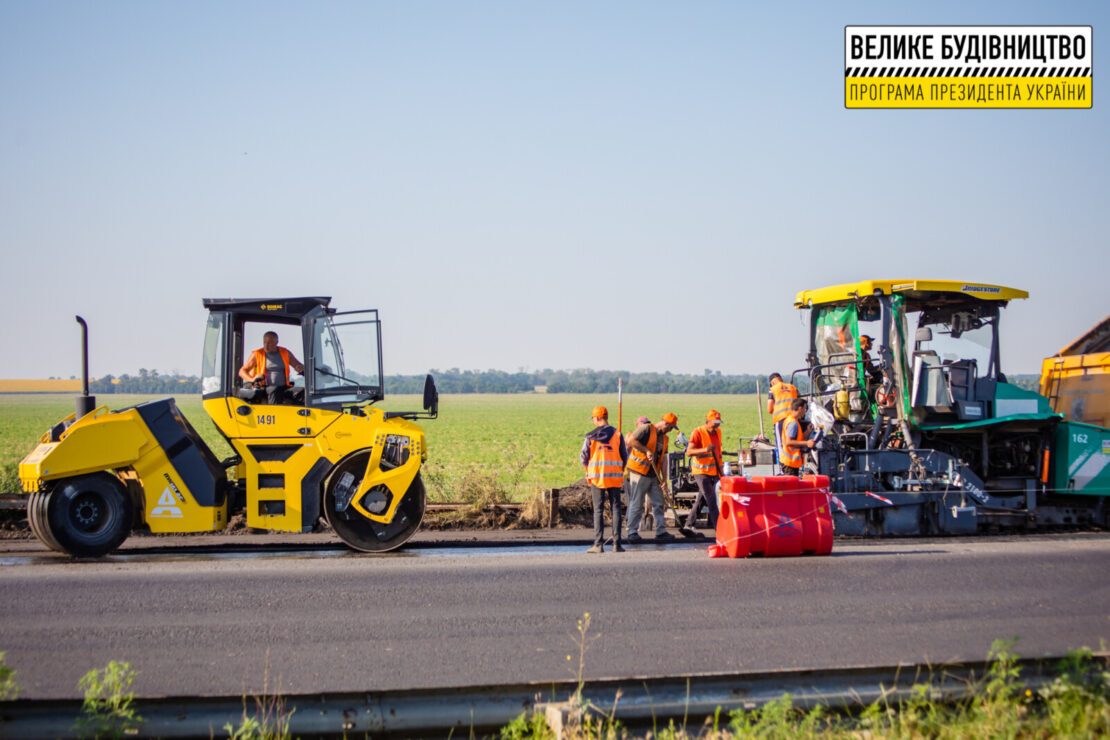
x=304 y=451
x=929 y=436
x=1076 y=380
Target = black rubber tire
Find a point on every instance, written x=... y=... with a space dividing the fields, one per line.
x=90 y=515
x=36 y=517
x=360 y=533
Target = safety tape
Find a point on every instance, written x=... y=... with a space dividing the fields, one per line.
x=876 y=496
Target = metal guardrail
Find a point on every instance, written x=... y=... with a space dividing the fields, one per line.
x=470 y=711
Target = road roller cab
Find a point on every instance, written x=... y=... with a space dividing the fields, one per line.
x=314 y=448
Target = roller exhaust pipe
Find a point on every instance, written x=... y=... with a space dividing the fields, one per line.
x=85 y=402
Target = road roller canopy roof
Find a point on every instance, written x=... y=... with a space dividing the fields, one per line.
x=280 y=310
x=917 y=293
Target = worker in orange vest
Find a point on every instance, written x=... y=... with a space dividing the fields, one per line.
x=779 y=397
x=705 y=451
x=604 y=455
x=647 y=449
x=795 y=440
x=874 y=375
x=269 y=367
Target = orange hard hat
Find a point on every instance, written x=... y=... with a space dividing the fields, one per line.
x=600 y=412
x=712 y=415
x=671 y=419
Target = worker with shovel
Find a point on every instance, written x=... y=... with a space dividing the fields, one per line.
x=647 y=447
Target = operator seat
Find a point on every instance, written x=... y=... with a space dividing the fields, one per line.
x=250 y=394
x=930 y=377
x=962 y=375
x=930 y=382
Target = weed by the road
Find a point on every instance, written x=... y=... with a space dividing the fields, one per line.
x=1082 y=686
x=107 y=710
x=1076 y=704
x=9 y=689
x=527 y=727
x=270 y=719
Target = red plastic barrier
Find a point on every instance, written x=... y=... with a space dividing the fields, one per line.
x=774 y=516
x=760 y=532
x=734 y=522
x=734 y=484
x=782 y=515
x=818 y=529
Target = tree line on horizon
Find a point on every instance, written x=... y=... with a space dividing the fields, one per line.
x=147 y=381
x=455 y=380
x=582 y=380
x=482 y=381
x=605 y=381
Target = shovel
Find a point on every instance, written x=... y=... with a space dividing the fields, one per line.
x=670 y=501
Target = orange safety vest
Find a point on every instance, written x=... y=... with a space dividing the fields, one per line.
x=784 y=395
x=605 y=468
x=792 y=457
x=637 y=461
x=258 y=357
x=706 y=464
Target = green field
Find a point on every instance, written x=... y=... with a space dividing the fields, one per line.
x=518 y=442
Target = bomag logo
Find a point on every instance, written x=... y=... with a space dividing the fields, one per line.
x=167 y=507
x=980 y=289
x=272 y=306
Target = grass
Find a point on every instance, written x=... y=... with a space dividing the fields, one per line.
x=9 y=689
x=505 y=446
x=270 y=718
x=108 y=709
x=25 y=417
x=1076 y=704
x=531 y=441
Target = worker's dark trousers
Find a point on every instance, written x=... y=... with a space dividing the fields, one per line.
x=706 y=495
x=599 y=497
x=276 y=394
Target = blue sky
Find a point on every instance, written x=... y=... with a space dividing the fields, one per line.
x=620 y=185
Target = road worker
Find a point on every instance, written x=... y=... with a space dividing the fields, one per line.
x=604 y=455
x=647 y=449
x=269 y=367
x=706 y=466
x=874 y=374
x=779 y=397
x=795 y=440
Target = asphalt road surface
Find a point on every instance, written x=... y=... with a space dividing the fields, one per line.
x=332 y=621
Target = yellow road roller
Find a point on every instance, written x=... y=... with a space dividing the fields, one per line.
x=308 y=442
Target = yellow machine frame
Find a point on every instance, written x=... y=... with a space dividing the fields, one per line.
x=97 y=472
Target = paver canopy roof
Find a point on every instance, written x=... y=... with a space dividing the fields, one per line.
x=917 y=292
